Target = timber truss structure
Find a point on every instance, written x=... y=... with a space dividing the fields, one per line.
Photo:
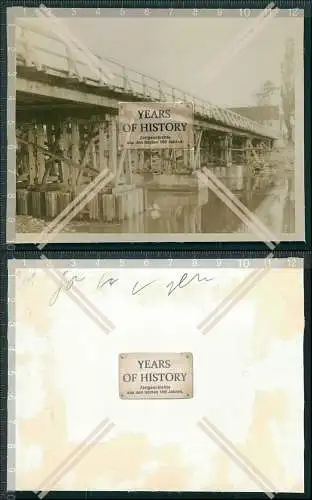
x=67 y=103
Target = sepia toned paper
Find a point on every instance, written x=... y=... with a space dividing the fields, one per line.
x=74 y=175
x=155 y=375
x=74 y=432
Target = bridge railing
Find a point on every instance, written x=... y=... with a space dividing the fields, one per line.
x=38 y=46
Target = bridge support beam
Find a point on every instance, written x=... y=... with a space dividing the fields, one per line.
x=40 y=160
x=113 y=155
x=227 y=150
x=221 y=150
x=65 y=145
x=222 y=140
x=103 y=146
x=57 y=158
x=75 y=151
x=248 y=150
x=31 y=155
x=204 y=153
x=55 y=161
x=195 y=153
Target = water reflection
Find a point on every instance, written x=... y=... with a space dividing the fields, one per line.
x=202 y=212
x=270 y=198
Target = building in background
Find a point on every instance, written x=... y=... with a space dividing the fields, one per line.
x=269 y=115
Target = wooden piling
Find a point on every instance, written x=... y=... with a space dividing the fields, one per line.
x=64 y=199
x=94 y=208
x=52 y=204
x=22 y=202
x=118 y=214
x=111 y=207
x=121 y=206
x=36 y=203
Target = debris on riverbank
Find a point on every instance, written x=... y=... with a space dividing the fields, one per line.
x=29 y=224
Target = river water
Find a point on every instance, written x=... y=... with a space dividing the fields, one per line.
x=270 y=199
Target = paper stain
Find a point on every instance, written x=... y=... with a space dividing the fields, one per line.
x=32 y=301
x=118 y=461
x=279 y=309
x=121 y=461
x=168 y=478
x=260 y=448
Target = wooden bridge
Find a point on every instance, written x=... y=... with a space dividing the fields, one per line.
x=67 y=128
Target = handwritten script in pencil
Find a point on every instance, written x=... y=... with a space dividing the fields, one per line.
x=72 y=279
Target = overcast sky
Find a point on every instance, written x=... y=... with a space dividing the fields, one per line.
x=185 y=51
x=194 y=53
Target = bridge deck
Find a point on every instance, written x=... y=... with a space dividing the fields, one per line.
x=53 y=66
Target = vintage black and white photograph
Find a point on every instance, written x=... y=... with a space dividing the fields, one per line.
x=155 y=125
